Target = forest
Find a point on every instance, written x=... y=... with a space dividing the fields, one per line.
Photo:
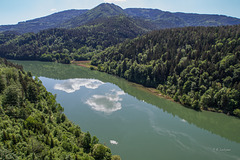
x=64 y=45
x=195 y=66
x=198 y=67
x=33 y=125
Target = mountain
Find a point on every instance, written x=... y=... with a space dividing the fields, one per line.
x=207 y=20
x=104 y=10
x=157 y=17
x=154 y=18
x=63 y=45
x=35 y=25
x=164 y=19
x=198 y=67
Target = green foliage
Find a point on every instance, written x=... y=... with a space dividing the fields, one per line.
x=32 y=92
x=196 y=66
x=67 y=146
x=237 y=112
x=11 y=96
x=86 y=142
x=95 y=140
x=32 y=123
x=116 y=157
x=6 y=154
x=2 y=83
x=101 y=152
x=64 y=45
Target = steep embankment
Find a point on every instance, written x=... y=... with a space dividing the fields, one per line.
x=33 y=125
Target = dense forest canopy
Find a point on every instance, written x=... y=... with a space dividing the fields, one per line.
x=63 y=45
x=196 y=66
x=33 y=125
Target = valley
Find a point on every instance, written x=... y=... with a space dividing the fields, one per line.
x=148 y=83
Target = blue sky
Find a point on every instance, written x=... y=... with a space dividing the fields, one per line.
x=14 y=11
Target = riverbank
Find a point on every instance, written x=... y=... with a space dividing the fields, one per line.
x=153 y=91
x=87 y=64
x=157 y=93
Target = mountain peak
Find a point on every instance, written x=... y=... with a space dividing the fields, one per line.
x=103 y=10
x=108 y=9
x=107 y=5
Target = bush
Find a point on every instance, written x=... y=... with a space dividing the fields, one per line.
x=116 y=157
x=67 y=146
x=236 y=112
x=99 y=151
x=12 y=96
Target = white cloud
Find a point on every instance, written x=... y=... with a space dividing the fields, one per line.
x=113 y=1
x=108 y=103
x=73 y=85
x=53 y=10
x=113 y=142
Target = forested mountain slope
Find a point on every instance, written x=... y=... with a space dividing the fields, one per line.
x=63 y=45
x=163 y=19
x=196 y=66
x=157 y=18
x=101 y=11
x=7 y=36
x=32 y=123
x=38 y=24
x=191 y=19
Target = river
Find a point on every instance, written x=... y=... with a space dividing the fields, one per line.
x=134 y=123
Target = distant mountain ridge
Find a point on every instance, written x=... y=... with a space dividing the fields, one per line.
x=155 y=18
x=179 y=19
x=50 y=44
x=35 y=25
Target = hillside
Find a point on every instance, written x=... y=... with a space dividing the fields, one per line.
x=33 y=125
x=163 y=19
x=38 y=24
x=207 y=20
x=63 y=45
x=104 y=10
x=196 y=66
x=155 y=18
x=7 y=36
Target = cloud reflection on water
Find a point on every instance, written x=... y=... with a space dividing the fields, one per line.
x=72 y=85
x=108 y=103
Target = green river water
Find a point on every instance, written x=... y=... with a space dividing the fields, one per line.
x=134 y=123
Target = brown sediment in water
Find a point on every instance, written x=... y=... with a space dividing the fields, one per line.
x=82 y=63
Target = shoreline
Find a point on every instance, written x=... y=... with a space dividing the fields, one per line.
x=86 y=64
x=153 y=91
